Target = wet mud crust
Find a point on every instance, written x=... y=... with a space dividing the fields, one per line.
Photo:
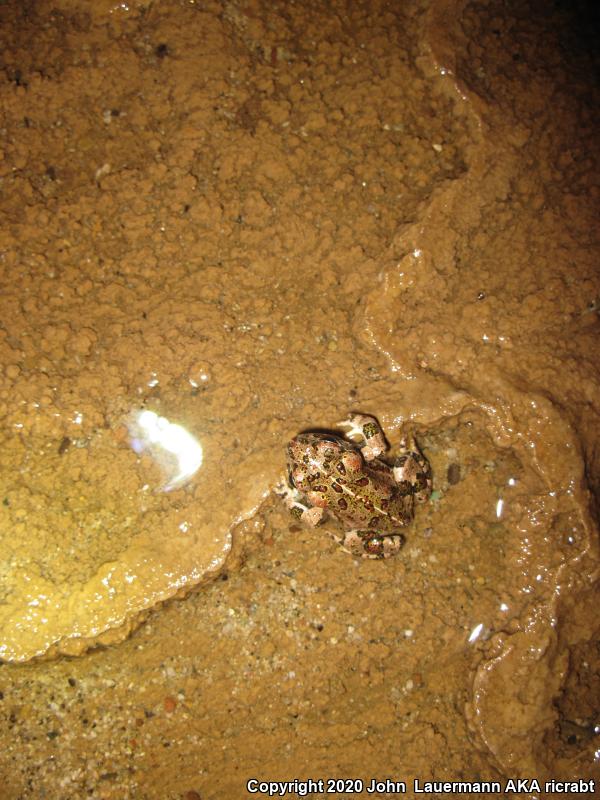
x=251 y=219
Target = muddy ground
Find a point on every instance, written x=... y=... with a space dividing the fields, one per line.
x=250 y=219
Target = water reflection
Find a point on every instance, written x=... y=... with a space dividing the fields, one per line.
x=173 y=448
x=475 y=633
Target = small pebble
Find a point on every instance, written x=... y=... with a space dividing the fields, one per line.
x=170 y=704
x=453 y=474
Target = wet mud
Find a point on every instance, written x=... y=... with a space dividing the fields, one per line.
x=246 y=220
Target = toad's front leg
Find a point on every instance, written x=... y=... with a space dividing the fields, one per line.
x=292 y=498
x=368 y=432
x=412 y=472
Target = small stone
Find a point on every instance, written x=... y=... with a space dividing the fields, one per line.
x=170 y=704
x=453 y=474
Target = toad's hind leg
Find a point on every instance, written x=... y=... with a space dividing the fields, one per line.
x=412 y=471
x=367 y=431
x=369 y=544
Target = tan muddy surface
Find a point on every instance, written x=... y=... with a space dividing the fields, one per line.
x=249 y=219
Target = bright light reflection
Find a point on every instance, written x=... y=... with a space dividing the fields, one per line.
x=499 y=507
x=173 y=448
x=475 y=633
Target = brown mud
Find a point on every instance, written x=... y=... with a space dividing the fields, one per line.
x=250 y=219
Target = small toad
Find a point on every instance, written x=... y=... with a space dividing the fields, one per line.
x=372 y=500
